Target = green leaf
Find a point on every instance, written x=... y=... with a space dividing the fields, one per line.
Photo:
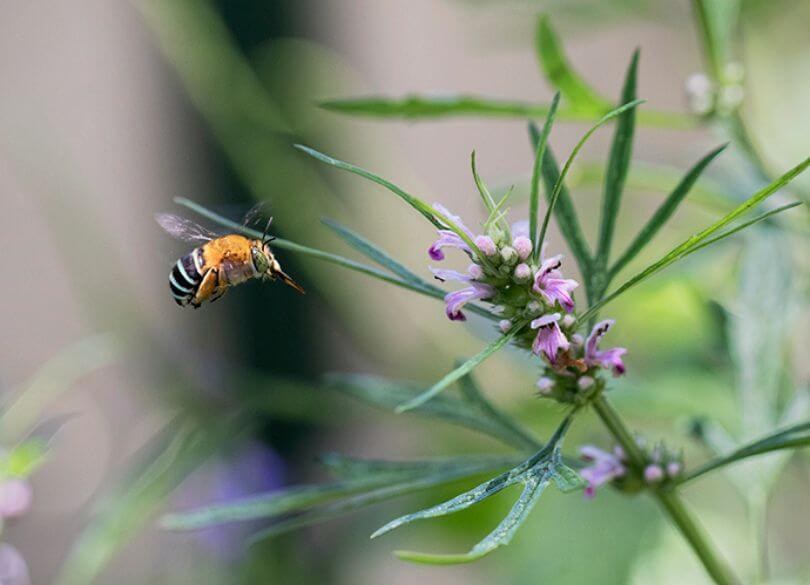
x=136 y=500
x=665 y=211
x=742 y=226
x=438 y=219
x=318 y=503
x=534 y=197
x=24 y=459
x=559 y=185
x=794 y=437
x=486 y=196
x=388 y=394
x=693 y=243
x=560 y=74
x=462 y=370
x=564 y=210
x=374 y=253
x=422 y=288
x=416 y=107
x=621 y=151
x=568 y=480
x=535 y=474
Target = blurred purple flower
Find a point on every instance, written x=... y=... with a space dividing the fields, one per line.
x=13 y=568
x=609 y=358
x=15 y=498
x=252 y=470
x=604 y=467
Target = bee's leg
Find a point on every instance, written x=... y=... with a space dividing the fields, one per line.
x=222 y=287
x=206 y=288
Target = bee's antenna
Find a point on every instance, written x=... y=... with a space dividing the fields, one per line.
x=265 y=239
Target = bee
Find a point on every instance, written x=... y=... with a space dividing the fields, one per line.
x=222 y=261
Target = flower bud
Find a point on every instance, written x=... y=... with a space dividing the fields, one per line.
x=504 y=325
x=545 y=385
x=475 y=271
x=15 y=498
x=523 y=273
x=523 y=246
x=486 y=245
x=577 y=340
x=585 y=382
x=653 y=473
x=534 y=307
x=673 y=469
x=568 y=321
x=509 y=256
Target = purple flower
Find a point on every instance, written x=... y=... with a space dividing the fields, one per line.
x=549 y=338
x=447 y=239
x=15 y=498
x=454 y=218
x=13 y=568
x=653 y=473
x=548 y=283
x=486 y=245
x=604 y=468
x=457 y=299
x=608 y=358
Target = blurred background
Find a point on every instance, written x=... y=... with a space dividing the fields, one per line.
x=111 y=110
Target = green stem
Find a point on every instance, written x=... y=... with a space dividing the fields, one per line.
x=668 y=498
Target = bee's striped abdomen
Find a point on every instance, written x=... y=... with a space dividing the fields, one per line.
x=185 y=278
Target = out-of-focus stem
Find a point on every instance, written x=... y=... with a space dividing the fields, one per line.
x=668 y=498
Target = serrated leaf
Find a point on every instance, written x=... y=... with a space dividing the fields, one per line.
x=461 y=370
x=561 y=75
x=535 y=474
x=318 y=503
x=388 y=394
x=664 y=211
x=694 y=242
x=422 y=288
x=534 y=196
x=621 y=151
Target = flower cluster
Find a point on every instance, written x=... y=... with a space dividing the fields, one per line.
x=527 y=290
x=606 y=466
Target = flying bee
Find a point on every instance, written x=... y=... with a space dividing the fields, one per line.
x=222 y=261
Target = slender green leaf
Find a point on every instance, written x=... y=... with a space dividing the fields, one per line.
x=416 y=107
x=374 y=253
x=687 y=245
x=794 y=437
x=486 y=196
x=318 y=503
x=539 y=155
x=438 y=219
x=560 y=183
x=621 y=151
x=742 y=226
x=535 y=474
x=564 y=210
x=388 y=394
x=665 y=211
x=283 y=244
x=560 y=74
x=462 y=370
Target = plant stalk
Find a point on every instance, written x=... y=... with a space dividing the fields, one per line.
x=668 y=498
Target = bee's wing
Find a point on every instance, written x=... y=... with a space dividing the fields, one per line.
x=253 y=213
x=184 y=229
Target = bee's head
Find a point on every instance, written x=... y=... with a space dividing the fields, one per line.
x=263 y=259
